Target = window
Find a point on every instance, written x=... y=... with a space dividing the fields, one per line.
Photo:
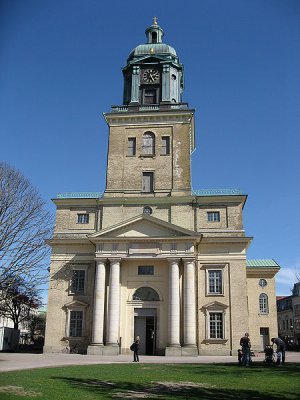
x=216 y=325
x=262 y=283
x=150 y=96
x=147 y=210
x=148 y=144
x=146 y=270
x=78 y=281
x=213 y=216
x=165 y=145
x=131 y=146
x=82 y=218
x=263 y=304
x=76 y=323
x=145 y=294
x=215 y=282
x=147 y=182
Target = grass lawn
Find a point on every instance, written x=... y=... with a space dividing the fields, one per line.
x=153 y=381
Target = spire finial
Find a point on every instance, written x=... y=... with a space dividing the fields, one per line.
x=154 y=20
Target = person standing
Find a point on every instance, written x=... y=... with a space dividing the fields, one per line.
x=135 y=347
x=280 y=350
x=246 y=345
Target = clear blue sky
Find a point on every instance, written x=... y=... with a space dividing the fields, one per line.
x=60 y=69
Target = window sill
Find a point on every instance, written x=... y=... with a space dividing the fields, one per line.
x=215 y=294
x=147 y=155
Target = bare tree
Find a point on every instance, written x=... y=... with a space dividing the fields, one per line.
x=19 y=302
x=24 y=226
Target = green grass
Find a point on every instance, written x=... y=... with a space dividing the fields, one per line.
x=153 y=381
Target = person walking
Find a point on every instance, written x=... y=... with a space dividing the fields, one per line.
x=135 y=348
x=246 y=345
x=280 y=350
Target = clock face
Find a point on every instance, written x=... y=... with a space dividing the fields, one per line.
x=151 y=76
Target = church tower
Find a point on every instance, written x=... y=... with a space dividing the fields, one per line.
x=151 y=135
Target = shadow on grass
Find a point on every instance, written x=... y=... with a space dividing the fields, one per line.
x=166 y=390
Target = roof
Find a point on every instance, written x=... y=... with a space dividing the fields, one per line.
x=263 y=263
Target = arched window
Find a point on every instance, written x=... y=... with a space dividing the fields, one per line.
x=263 y=304
x=145 y=294
x=148 y=145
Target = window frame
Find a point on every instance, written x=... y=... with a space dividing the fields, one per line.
x=218 y=268
x=213 y=214
x=209 y=334
x=148 y=149
x=165 y=145
x=131 y=149
x=81 y=220
x=150 y=270
x=263 y=303
x=149 y=174
x=71 y=288
x=70 y=321
x=218 y=288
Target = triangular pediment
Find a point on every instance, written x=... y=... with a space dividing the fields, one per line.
x=75 y=304
x=214 y=305
x=144 y=226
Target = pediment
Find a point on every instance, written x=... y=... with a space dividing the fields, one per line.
x=214 y=305
x=144 y=226
x=75 y=304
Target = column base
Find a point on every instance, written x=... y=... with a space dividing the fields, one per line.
x=190 y=351
x=100 y=350
x=173 y=351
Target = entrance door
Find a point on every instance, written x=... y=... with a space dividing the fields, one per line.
x=145 y=328
x=264 y=338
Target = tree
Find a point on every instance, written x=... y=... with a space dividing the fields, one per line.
x=19 y=302
x=24 y=226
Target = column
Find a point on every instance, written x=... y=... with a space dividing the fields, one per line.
x=135 y=84
x=174 y=304
x=99 y=298
x=189 y=304
x=113 y=303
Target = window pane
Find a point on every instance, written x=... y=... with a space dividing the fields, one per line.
x=76 y=319
x=82 y=218
x=263 y=304
x=78 y=279
x=216 y=325
x=147 y=184
x=146 y=294
x=213 y=216
x=148 y=145
x=146 y=270
x=131 y=146
x=165 y=145
x=215 y=282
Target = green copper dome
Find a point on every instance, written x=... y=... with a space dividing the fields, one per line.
x=154 y=45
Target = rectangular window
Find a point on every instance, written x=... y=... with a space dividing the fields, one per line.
x=213 y=216
x=165 y=145
x=263 y=304
x=146 y=270
x=215 y=282
x=216 y=325
x=147 y=183
x=150 y=96
x=82 y=218
x=76 y=323
x=131 y=146
x=78 y=281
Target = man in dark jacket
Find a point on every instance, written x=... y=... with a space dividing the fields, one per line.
x=246 y=345
x=280 y=350
x=135 y=348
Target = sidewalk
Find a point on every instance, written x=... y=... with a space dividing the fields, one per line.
x=20 y=361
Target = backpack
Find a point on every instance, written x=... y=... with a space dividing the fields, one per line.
x=133 y=346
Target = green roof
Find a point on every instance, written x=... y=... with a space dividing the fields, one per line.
x=262 y=263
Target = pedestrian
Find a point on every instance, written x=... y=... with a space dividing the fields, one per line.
x=280 y=350
x=135 y=348
x=246 y=345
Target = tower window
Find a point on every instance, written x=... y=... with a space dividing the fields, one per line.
x=131 y=146
x=147 y=182
x=154 y=37
x=263 y=304
x=213 y=216
x=165 y=145
x=82 y=218
x=148 y=145
x=150 y=96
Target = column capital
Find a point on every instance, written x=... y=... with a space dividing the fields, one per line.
x=100 y=260
x=115 y=260
x=173 y=260
x=189 y=261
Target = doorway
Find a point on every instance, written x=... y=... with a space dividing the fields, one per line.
x=264 y=338
x=145 y=328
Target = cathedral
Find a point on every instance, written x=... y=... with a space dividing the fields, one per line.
x=150 y=256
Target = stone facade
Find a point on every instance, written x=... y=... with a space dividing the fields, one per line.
x=150 y=257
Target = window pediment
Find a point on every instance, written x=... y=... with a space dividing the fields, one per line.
x=75 y=304
x=214 y=305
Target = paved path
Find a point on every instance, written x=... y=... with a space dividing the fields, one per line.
x=19 y=361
